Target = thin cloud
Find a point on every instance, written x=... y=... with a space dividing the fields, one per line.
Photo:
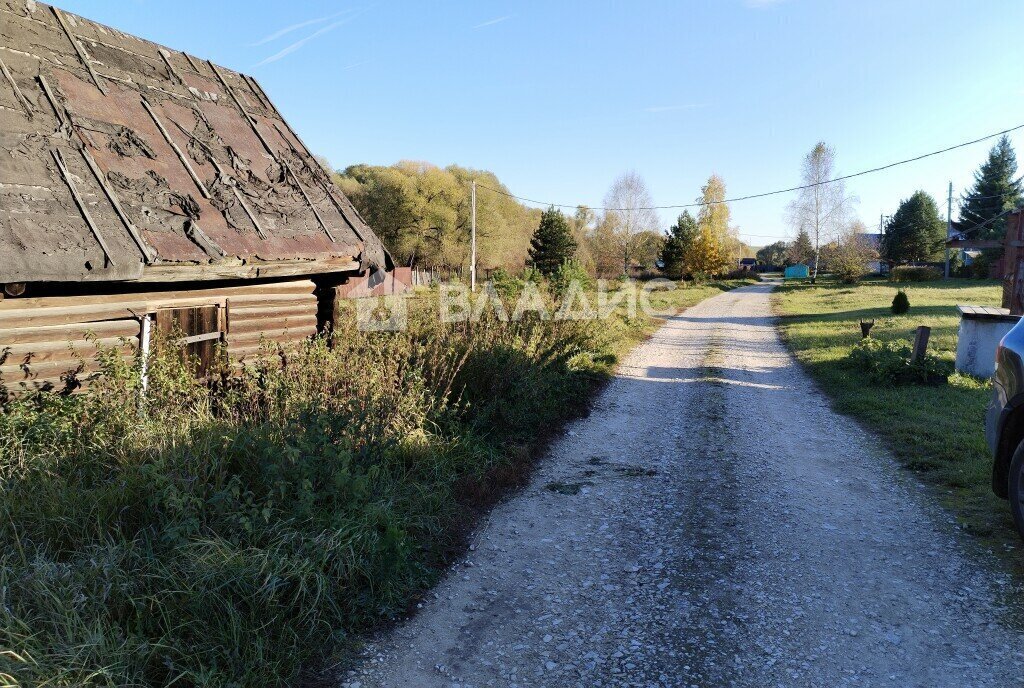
x=295 y=27
x=316 y=34
x=492 y=22
x=674 y=108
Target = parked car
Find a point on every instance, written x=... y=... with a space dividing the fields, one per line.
x=1004 y=423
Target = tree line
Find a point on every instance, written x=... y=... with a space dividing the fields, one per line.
x=826 y=229
x=422 y=213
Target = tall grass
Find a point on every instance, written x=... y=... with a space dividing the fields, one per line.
x=230 y=532
x=238 y=530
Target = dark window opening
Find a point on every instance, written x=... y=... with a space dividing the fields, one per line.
x=197 y=331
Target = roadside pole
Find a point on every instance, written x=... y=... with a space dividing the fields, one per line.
x=472 y=242
x=949 y=224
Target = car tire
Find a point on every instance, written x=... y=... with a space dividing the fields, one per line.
x=1015 y=488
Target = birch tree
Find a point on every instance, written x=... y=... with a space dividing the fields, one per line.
x=710 y=252
x=629 y=213
x=822 y=207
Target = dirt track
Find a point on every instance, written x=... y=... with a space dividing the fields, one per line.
x=712 y=523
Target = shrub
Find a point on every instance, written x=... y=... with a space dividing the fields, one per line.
x=506 y=284
x=888 y=363
x=914 y=273
x=980 y=266
x=900 y=302
x=568 y=273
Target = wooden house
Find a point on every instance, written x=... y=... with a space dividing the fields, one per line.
x=144 y=189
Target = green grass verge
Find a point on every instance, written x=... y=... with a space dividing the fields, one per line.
x=935 y=431
x=240 y=532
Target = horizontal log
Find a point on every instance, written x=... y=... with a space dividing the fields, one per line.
x=272 y=335
x=106 y=328
x=57 y=350
x=249 y=344
x=304 y=321
x=264 y=310
x=49 y=384
x=53 y=369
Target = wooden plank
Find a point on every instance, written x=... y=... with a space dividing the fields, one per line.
x=305 y=196
x=81 y=205
x=245 y=114
x=170 y=67
x=17 y=91
x=54 y=103
x=920 y=343
x=78 y=49
x=198 y=338
x=177 y=151
x=196 y=273
x=192 y=62
x=148 y=254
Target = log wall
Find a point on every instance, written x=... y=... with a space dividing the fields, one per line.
x=43 y=341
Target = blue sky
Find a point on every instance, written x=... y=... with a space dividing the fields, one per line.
x=558 y=98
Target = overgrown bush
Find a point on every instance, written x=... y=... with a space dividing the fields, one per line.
x=231 y=532
x=505 y=283
x=914 y=273
x=888 y=363
x=570 y=272
x=900 y=302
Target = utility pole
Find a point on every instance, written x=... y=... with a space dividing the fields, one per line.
x=472 y=242
x=949 y=224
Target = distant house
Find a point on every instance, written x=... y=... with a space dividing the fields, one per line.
x=747 y=264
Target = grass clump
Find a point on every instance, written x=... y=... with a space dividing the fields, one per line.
x=888 y=363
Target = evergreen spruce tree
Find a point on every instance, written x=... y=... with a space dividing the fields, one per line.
x=996 y=189
x=680 y=237
x=552 y=243
x=916 y=233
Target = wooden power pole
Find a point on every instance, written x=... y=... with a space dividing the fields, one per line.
x=472 y=242
x=949 y=224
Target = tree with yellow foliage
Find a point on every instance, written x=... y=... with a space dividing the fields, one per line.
x=711 y=251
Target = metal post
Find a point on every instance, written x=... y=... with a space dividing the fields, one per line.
x=472 y=243
x=949 y=224
x=144 y=344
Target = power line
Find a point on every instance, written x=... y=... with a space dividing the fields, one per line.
x=767 y=193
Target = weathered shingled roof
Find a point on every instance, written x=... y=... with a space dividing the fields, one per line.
x=122 y=160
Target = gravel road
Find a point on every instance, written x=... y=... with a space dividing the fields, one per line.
x=712 y=523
